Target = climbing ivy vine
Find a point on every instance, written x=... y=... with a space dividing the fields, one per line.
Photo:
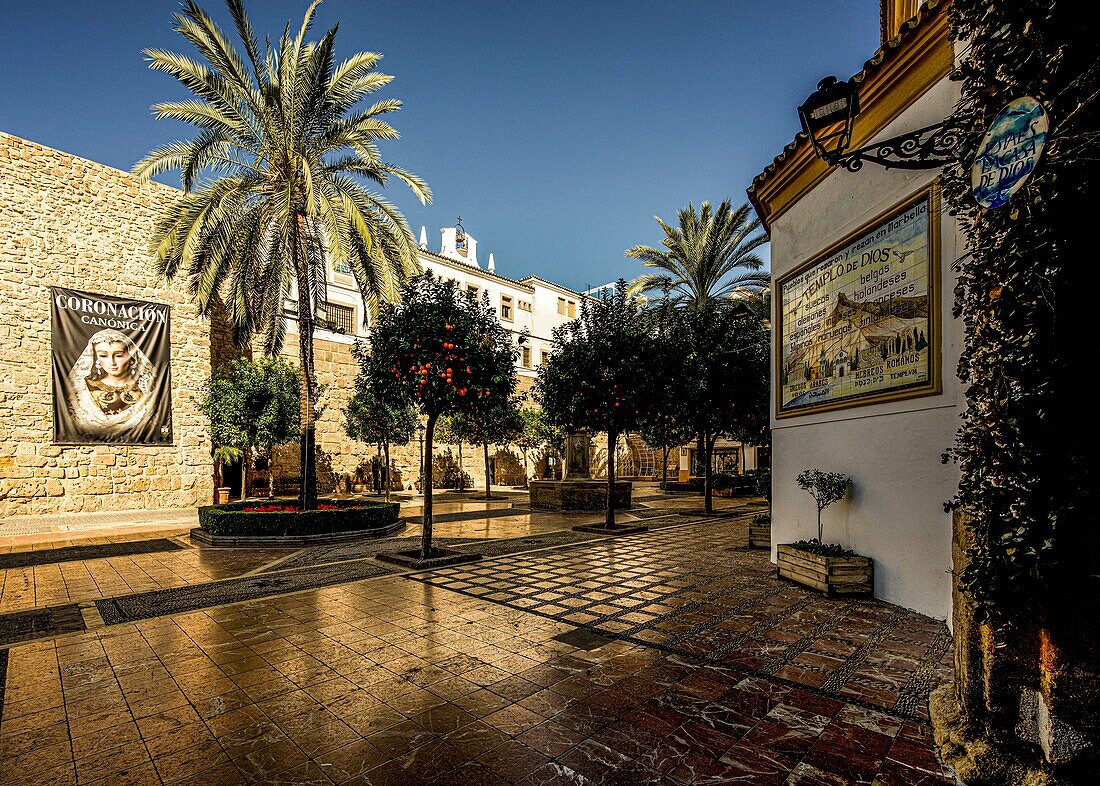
x=1028 y=296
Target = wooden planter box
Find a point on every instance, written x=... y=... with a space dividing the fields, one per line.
x=832 y=575
x=760 y=534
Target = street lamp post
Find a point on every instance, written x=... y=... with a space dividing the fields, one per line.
x=828 y=116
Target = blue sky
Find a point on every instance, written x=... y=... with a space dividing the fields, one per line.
x=556 y=129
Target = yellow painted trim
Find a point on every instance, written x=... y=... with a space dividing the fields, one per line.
x=934 y=387
x=891 y=82
x=895 y=14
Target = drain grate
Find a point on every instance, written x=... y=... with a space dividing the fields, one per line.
x=583 y=639
x=29 y=559
x=35 y=623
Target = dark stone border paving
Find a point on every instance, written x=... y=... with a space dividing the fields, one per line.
x=358 y=550
x=336 y=567
x=504 y=546
x=158 y=603
x=345 y=552
x=29 y=559
x=3 y=681
x=651 y=513
x=468 y=515
x=20 y=626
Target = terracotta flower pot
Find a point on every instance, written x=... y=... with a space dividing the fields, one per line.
x=223 y=494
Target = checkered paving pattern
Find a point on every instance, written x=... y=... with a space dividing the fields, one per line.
x=391 y=681
x=693 y=590
x=694 y=665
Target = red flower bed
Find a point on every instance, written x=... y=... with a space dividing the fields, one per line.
x=294 y=508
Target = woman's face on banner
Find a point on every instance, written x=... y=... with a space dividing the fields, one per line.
x=114 y=358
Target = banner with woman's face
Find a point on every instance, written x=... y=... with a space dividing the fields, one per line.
x=112 y=377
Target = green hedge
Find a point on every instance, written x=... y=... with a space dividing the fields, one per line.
x=740 y=485
x=231 y=519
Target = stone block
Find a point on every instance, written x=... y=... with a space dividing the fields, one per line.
x=578 y=494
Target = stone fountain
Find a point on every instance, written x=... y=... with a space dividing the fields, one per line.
x=577 y=490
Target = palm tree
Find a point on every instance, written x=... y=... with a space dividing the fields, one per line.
x=272 y=185
x=709 y=261
x=710 y=256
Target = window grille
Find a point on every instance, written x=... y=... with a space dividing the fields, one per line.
x=341 y=319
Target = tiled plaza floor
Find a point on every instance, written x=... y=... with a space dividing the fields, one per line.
x=698 y=674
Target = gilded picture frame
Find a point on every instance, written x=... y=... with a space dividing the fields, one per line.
x=859 y=323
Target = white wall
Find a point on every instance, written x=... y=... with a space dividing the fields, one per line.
x=892 y=451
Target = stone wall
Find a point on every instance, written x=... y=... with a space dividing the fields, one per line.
x=68 y=222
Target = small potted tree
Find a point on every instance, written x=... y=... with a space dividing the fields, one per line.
x=224 y=455
x=825 y=566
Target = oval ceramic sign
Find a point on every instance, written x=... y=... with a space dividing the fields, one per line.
x=1009 y=151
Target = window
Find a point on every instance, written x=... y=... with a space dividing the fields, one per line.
x=561 y=306
x=506 y=307
x=343 y=268
x=525 y=356
x=524 y=305
x=572 y=309
x=544 y=357
x=473 y=289
x=341 y=319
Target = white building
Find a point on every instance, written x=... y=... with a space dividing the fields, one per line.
x=530 y=307
x=889 y=442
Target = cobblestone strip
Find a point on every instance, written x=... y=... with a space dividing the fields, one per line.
x=856 y=659
x=797 y=648
x=926 y=676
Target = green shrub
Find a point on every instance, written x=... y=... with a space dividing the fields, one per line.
x=339 y=516
x=691 y=484
x=763 y=478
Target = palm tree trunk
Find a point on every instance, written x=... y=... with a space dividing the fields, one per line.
x=664 y=468
x=426 y=486
x=461 y=471
x=271 y=472
x=612 y=439
x=307 y=499
x=244 y=474
x=488 y=494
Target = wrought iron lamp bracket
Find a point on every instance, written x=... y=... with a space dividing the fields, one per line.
x=931 y=147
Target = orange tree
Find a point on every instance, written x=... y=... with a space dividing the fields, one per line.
x=443 y=350
x=725 y=386
x=600 y=375
x=497 y=421
x=373 y=417
x=667 y=423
